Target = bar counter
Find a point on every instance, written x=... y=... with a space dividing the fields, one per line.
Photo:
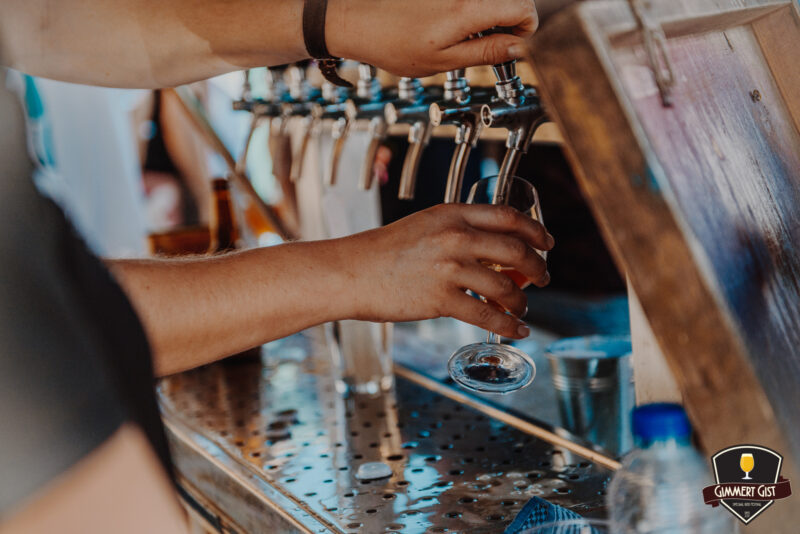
x=269 y=445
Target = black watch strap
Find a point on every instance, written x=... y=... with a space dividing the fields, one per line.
x=328 y=69
x=314 y=12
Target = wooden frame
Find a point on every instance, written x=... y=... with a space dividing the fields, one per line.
x=700 y=202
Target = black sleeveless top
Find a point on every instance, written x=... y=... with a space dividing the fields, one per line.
x=74 y=359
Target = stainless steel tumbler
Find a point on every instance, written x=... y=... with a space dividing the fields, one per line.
x=593 y=379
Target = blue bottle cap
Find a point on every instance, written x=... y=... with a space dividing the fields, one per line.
x=660 y=421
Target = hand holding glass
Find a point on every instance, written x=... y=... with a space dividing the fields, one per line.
x=492 y=366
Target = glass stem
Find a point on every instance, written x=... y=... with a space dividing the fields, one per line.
x=491 y=337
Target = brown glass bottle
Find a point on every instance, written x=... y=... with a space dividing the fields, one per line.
x=224 y=237
x=222 y=225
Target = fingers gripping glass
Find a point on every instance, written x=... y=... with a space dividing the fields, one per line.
x=492 y=366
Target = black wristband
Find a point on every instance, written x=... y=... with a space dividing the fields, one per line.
x=314 y=12
x=328 y=69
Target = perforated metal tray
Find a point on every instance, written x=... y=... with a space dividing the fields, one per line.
x=275 y=448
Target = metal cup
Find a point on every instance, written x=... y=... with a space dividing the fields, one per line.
x=593 y=380
x=362 y=356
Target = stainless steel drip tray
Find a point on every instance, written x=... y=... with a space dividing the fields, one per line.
x=276 y=449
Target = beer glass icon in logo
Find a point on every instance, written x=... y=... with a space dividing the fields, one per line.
x=746 y=463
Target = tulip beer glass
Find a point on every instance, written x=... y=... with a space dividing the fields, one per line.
x=492 y=366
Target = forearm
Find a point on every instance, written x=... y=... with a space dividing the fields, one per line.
x=196 y=311
x=156 y=43
x=147 y=43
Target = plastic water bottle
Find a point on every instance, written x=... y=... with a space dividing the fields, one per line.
x=659 y=487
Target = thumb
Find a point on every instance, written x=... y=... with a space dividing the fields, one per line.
x=489 y=50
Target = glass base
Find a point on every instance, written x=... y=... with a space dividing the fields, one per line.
x=491 y=368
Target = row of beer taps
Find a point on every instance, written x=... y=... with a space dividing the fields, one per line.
x=289 y=96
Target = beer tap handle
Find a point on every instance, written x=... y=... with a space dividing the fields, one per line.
x=418 y=138
x=274 y=84
x=368 y=89
x=311 y=108
x=516 y=108
x=339 y=133
x=310 y=124
x=508 y=169
x=456 y=86
x=462 y=108
x=282 y=123
x=412 y=107
x=295 y=78
x=368 y=86
x=521 y=117
x=455 y=175
x=509 y=87
x=247 y=90
x=410 y=89
x=245 y=102
x=466 y=138
x=377 y=130
x=241 y=163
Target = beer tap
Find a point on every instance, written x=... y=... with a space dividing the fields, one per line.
x=312 y=112
x=370 y=106
x=267 y=107
x=518 y=109
x=461 y=107
x=368 y=90
x=276 y=93
x=377 y=134
x=334 y=112
x=296 y=85
x=293 y=100
x=411 y=107
x=245 y=103
x=302 y=99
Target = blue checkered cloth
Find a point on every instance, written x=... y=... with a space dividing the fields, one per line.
x=539 y=512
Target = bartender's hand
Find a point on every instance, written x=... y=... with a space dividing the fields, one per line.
x=420 y=266
x=424 y=37
x=198 y=310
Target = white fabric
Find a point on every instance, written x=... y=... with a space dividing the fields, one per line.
x=230 y=125
x=344 y=209
x=94 y=172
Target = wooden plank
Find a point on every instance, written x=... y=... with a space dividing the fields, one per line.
x=731 y=152
x=682 y=26
x=781 y=52
x=653 y=381
x=611 y=14
x=697 y=204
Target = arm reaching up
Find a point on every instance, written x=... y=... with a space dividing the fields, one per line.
x=159 y=43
